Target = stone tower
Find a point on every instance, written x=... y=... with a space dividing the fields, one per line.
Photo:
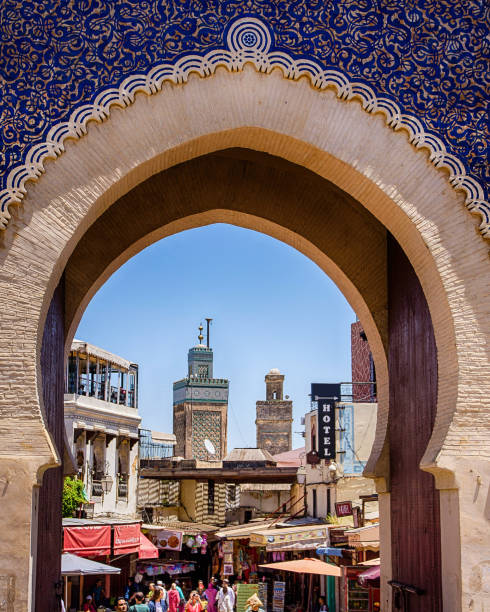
x=200 y=405
x=274 y=416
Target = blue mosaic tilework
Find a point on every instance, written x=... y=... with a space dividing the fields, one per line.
x=429 y=56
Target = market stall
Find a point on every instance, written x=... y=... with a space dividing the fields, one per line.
x=73 y=565
x=310 y=566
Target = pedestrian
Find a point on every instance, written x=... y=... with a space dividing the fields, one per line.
x=121 y=605
x=194 y=603
x=321 y=606
x=226 y=597
x=181 y=593
x=151 y=590
x=130 y=589
x=211 y=593
x=173 y=598
x=98 y=594
x=140 y=605
x=88 y=606
x=202 y=595
x=254 y=604
x=158 y=602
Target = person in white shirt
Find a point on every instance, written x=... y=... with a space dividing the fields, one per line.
x=226 y=598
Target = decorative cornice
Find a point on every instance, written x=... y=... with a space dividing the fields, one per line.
x=248 y=40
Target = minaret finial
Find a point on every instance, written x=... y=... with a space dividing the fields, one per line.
x=200 y=337
x=208 y=321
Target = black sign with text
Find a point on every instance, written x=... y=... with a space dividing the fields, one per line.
x=326 y=395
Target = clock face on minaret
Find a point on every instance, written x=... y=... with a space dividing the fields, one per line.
x=200 y=407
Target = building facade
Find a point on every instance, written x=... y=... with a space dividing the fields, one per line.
x=200 y=409
x=274 y=416
x=102 y=428
x=329 y=482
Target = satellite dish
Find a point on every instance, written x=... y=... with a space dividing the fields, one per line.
x=209 y=447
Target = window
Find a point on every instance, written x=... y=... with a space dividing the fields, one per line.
x=313 y=438
x=211 y=496
x=314 y=503
x=329 y=503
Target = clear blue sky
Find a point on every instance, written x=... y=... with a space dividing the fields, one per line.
x=272 y=308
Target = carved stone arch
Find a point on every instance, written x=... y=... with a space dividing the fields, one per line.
x=249 y=110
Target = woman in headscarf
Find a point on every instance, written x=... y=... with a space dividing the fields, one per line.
x=211 y=594
x=173 y=598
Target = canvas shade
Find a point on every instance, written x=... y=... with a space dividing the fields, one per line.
x=147 y=549
x=306 y=566
x=72 y=565
x=370 y=577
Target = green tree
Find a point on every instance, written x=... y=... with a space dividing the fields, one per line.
x=73 y=496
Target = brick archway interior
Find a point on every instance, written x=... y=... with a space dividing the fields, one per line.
x=272 y=195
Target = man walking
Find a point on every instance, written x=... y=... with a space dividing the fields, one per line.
x=140 y=605
x=226 y=598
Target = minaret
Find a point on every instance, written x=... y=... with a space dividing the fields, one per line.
x=200 y=406
x=274 y=416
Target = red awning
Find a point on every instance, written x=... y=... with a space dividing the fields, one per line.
x=147 y=549
x=126 y=539
x=88 y=541
x=370 y=577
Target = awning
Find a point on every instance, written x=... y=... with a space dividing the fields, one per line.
x=297 y=538
x=305 y=566
x=126 y=539
x=331 y=552
x=88 y=541
x=375 y=561
x=72 y=565
x=364 y=538
x=147 y=550
x=239 y=532
x=370 y=577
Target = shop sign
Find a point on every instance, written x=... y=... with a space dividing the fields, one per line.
x=343 y=508
x=278 y=596
x=169 y=540
x=126 y=539
x=263 y=595
x=88 y=541
x=244 y=592
x=228 y=546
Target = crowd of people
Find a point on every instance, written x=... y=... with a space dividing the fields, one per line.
x=170 y=598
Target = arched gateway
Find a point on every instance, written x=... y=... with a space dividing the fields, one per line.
x=257 y=146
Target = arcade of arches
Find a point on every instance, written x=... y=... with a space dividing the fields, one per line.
x=276 y=156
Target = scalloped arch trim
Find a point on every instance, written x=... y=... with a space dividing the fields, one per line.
x=248 y=41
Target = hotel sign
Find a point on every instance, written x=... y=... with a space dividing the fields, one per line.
x=324 y=395
x=343 y=508
x=326 y=429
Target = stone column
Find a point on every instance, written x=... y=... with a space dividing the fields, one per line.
x=18 y=517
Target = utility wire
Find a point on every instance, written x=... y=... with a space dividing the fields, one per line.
x=235 y=420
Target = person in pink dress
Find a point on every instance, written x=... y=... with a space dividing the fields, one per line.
x=173 y=598
x=211 y=594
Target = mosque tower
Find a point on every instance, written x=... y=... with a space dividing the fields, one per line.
x=200 y=406
x=274 y=416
